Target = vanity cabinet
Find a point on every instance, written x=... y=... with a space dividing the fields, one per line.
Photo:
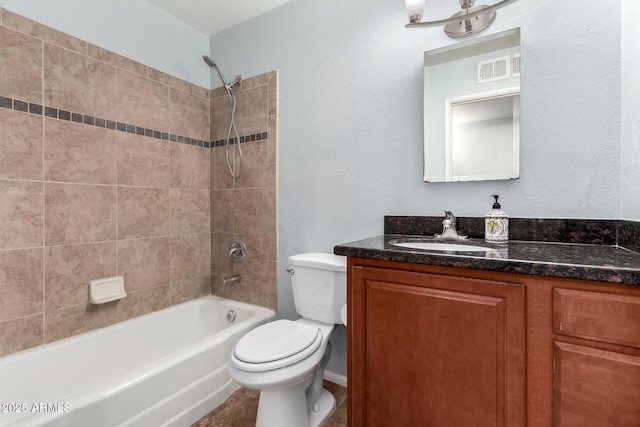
x=442 y=346
x=431 y=349
x=597 y=375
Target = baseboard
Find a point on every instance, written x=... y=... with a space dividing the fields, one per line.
x=335 y=378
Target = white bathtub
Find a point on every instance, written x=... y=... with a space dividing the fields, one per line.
x=167 y=368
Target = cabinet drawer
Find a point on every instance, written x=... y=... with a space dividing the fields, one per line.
x=597 y=316
x=595 y=388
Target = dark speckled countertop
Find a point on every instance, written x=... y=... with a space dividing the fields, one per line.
x=597 y=262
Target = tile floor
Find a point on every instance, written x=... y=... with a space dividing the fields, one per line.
x=241 y=408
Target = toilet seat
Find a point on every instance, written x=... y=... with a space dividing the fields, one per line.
x=275 y=345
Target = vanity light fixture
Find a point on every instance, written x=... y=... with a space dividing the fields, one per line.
x=469 y=20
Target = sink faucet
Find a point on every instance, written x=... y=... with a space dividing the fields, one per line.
x=449 y=228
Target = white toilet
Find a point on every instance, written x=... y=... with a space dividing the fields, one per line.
x=286 y=359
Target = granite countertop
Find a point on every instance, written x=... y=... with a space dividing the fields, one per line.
x=604 y=263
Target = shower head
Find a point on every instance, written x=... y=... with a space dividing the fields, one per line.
x=227 y=86
x=209 y=61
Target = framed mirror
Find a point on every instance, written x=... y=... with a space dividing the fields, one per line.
x=472 y=110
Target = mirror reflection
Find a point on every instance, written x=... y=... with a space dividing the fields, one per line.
x=472 y=110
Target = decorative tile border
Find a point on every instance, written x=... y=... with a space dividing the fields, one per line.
x=55 y=113
x=247 y=138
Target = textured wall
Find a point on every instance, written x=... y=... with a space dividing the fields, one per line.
x=630 y=123
x=350 y=132
x=104 y=171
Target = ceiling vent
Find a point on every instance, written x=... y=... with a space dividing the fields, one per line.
x=494 y=69
x=515 y=65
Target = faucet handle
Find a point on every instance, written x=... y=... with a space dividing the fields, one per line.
x=237 y=251
x=448 y=216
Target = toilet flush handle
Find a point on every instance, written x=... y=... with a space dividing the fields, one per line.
x=290 y=271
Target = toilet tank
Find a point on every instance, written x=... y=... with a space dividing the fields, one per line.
x=319 y=282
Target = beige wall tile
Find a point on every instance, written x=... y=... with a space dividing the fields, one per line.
x=200 y=92
x=143 y=161
x=219 y=171
x=189 y=115
x=20 y=66
x=68 y=270
x=254 y=211
x=142 y=212
x=24 y=25
x=79 y=213
x=261 y=249
x=141 y=101
x=190 y=256
x=272 y=94
x=77 y=319
x=20 y=145
x=177 y=83
x=78 y=153
x=21 y=215
x=273 y=279
x=220 y=246
x=116 y=60
x=144 y=263
x=144 y=301
x=21 y=286
x=78 y=83
x=189 y=166
x=222 y=206
x=189 y=211
x=217 y=92
x=251 y=114
x=254 y=165
x=272 y=138
x=189 y=289
x=21 y=334
x=253 y=292
x=257 y=80
x=220 y=114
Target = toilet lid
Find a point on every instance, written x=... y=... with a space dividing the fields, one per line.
x=275 y=341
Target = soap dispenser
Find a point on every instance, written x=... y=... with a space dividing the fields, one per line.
x=496 y=224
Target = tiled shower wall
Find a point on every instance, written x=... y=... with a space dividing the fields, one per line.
x=104 y=170
x=245 y=209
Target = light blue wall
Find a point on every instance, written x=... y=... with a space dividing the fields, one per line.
x=350 y=123
x=132 y=28
x=630 y=110
x=351 y=115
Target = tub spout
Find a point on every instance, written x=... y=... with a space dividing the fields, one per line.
x=232 y=280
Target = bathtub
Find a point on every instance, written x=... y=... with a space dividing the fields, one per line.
x=167 y=368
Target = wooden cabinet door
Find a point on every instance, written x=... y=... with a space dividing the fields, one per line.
x=435 y=350
x=595 y=388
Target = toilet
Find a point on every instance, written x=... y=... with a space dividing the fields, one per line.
x=285 y=360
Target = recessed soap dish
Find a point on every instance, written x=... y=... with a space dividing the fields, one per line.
x=106 y=290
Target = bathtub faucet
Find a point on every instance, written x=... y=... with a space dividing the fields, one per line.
x=231 y=280
x=237 y=251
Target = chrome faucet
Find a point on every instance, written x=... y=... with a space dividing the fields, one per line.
x=237 y=251
x=449 y=228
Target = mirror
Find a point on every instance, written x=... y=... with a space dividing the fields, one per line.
x=472 y=110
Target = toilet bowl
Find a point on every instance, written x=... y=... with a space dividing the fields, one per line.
x=285 y=360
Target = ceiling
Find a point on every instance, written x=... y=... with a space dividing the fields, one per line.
x=213 y=16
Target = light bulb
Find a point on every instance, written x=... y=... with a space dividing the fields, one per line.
x=415 y=9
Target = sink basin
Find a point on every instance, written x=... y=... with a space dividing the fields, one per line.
x=435 y=246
